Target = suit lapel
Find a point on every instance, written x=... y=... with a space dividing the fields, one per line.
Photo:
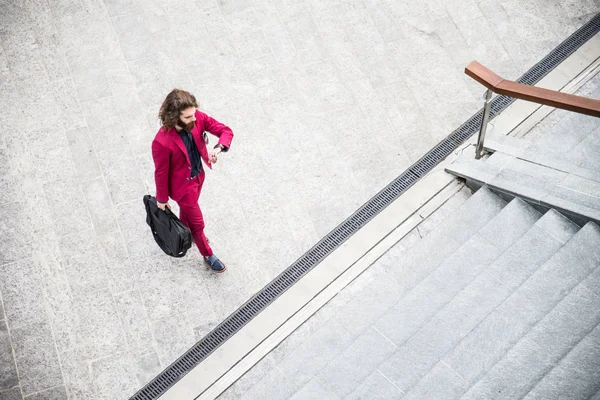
x=179 y=142
x=200 y=144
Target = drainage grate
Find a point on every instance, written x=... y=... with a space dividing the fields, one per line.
x=325 y=246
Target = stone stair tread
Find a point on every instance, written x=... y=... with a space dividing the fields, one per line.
x=579 y=190
x=545 y=175
x=443 y=240
x=544 y=290
x=411 y=362
x=512 y=377
x=563 y=137
x=577 y=376
x=551 y=160
x=576 y=196
x=471 y=294
x=457 y=271
x=506 y=144
x=570 y=208
x=569 y=322
x=510 y=224
x=524 y=185
x=499 y=159
x=486 y=344
x=473 y=169
x=558 y=226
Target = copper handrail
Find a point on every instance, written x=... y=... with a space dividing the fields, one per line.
x=497 y=84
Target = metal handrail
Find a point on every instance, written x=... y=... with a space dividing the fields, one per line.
x=496 y=84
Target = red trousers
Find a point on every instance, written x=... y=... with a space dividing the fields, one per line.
x=191 y=216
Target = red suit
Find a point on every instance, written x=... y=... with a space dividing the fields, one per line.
x=173 y=170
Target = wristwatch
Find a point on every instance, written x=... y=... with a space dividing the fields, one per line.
x=220 y=146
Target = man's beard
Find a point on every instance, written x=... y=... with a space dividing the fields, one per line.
x=187 y=127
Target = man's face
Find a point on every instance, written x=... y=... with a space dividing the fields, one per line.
x=187 y=118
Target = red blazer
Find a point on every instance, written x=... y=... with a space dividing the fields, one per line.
x=171 y=160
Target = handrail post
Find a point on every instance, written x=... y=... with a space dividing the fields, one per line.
x=484 y=122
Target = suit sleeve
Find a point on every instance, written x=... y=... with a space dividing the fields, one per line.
x=222 y=131
x=161 y=158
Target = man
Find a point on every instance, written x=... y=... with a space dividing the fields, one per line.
x=177 y=149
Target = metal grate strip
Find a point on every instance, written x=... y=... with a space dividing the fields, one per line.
x=364 y=214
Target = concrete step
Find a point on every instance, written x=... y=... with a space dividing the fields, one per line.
x=575 y=196
x=456 y=272
x=416 y=263
x=506 y=144
x=445 y=239
x=577 y=376
x=473 y=170
x=445 y=300
x=560 y=333
x=562 y=138
x=480 y=348
x=534 y=301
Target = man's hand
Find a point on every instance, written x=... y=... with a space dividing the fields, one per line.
x=213 y=155
x=163 y=205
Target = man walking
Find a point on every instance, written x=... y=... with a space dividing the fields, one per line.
x=177 y=149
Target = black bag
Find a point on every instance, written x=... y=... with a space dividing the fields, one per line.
x=172 y=236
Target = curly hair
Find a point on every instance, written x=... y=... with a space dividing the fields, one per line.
x=175 y=102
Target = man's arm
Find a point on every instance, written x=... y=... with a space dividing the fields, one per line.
x=222 y=131
x=161 y=171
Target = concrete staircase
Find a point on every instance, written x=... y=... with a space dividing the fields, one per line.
x=558 y=170
x=501 y=301
x=534 y=332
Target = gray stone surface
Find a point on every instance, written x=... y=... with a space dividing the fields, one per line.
x=319 y=77
x=445 y=239
x=22 y=292
x=573 y=318
x=576 y=377
x=458 y=270
x=369 y=304
x=173 y=336
x=114 y=377
x=251 y=378
x=317 y=350
x=344 y=373
x=517 y=215
x=37 y=361
x=513 y=377
x=558 y=226
x=8 y=371
x=592 y=282
x=520 y=262
x=482 y=347
x=55 y=393
x=11 y=394
x=134 y=319
x=423 y=350
x=313 y=390
x=440 y=383
x=375 y=387
x=411 y=313
x=273 y=385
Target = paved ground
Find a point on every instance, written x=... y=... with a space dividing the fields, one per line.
x=329 y=100
x=512 y=312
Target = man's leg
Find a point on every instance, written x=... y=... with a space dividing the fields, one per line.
x=192 y=215
x=193 y=219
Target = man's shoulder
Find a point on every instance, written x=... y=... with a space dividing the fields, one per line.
x=200 y=114
x=162 y=135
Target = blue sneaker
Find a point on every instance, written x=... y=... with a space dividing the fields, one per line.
x=215 y=264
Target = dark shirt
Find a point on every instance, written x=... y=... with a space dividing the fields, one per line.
x=192 y=150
